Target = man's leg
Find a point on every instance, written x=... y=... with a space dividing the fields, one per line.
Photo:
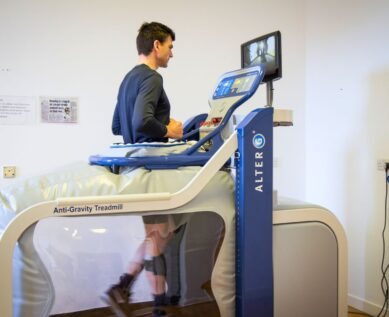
x=157 y=236
x=119 y=293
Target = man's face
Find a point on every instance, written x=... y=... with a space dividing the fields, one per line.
x=164 y=52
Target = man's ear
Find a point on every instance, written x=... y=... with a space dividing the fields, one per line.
x=156 y=45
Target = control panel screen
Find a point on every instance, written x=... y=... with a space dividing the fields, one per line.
x=235 y=85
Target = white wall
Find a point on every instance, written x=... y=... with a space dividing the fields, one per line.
x=84 y=48
x=347 y=129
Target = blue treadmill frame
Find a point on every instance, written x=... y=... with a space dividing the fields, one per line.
x=254 y=219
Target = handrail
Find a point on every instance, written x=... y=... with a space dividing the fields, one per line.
x=129 y=203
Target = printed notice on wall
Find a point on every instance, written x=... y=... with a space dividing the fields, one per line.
x=59 y=109
x=17 y=110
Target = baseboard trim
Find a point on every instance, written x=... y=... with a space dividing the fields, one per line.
x=364 y=305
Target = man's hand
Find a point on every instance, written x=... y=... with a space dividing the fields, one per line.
x=174 y=129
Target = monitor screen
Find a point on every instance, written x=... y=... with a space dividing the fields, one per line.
x=266 y=50
x=235 y=85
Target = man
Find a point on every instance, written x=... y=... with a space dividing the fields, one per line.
x=142 y=114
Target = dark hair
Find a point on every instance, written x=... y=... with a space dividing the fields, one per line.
x=150 y=32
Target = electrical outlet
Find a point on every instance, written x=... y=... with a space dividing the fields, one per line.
x=381 y=164
x=9 y=171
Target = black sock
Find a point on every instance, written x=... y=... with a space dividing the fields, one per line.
x=126 y=280
x=160 y=299
x=174 y=300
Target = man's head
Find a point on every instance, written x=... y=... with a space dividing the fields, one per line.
x=158 y=38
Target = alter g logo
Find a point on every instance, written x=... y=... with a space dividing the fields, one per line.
x=259 y=141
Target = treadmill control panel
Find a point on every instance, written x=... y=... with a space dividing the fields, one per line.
x=231 y=88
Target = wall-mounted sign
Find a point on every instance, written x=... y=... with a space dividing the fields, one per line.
x=17 y=110
x=59 y=109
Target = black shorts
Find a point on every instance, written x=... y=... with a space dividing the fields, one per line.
x=154 y=219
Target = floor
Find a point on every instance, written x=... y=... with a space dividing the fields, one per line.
x=352 y=312
x=198 y=311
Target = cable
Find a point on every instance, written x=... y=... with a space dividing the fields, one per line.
x=384 y=279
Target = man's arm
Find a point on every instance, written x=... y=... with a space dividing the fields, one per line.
x=144 y=121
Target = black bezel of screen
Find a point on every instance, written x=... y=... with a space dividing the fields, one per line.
x=278 y=62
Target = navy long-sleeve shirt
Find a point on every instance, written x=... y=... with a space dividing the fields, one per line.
x=143 y=109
